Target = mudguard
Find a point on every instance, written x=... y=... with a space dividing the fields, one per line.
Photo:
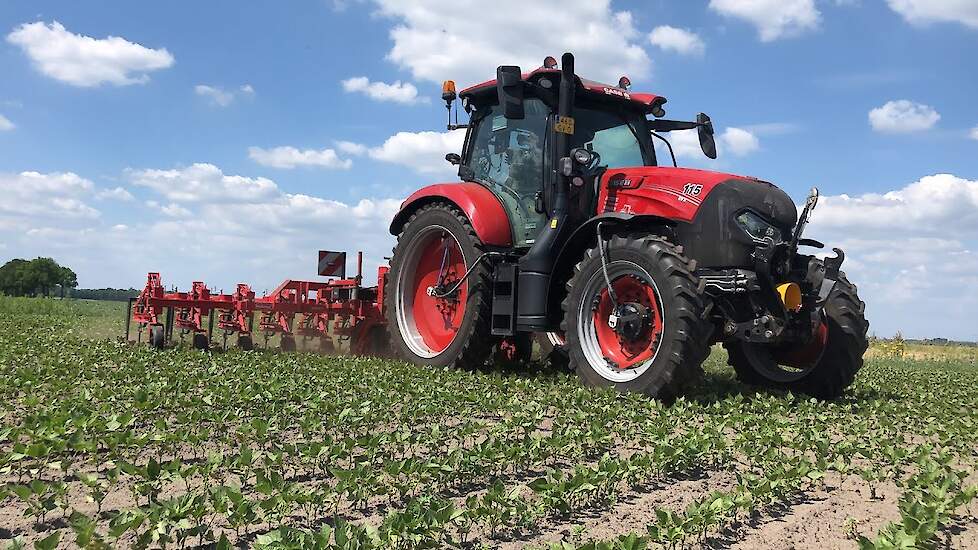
x=480 y=206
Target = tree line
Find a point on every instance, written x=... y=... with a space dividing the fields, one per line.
x=37 y=277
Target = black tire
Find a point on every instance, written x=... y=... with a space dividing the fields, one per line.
x=843 y=356
x=472 y=343
x=683 y=337
x=200 y=341
x=553 y=350
x=245 y=342
x=287 y=343
x=157 y=336
x=326 y=346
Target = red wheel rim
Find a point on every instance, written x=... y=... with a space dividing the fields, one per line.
x=625 y=352
x=437 y=320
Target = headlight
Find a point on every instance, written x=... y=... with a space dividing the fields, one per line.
x=757 y=227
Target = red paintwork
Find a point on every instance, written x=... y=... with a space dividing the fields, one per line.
x=483 y=209
x=645 y=101
x=437 y=320
x=628 y=353
x=656 y=190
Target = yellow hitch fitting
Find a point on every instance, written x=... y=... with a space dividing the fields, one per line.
x=790 y=294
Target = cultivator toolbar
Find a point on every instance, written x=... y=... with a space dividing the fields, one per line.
x=334 y=311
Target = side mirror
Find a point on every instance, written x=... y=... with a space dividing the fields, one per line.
x=453 y=158
x=509 y=87
x=705 y=130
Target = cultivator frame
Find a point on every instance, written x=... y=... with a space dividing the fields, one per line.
x=339 y=309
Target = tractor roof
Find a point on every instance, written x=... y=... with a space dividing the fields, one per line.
x=645 y=102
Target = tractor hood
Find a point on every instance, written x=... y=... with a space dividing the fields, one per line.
x=706 y=203
x=678 y=193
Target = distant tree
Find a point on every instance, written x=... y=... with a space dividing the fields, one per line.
x=20 y=277
x=14 y=277
x=68 y=279
x=112 y=294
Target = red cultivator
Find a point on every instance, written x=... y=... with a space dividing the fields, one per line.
x=336 y=310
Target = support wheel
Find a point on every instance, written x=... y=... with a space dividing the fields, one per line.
x=434 y=316
x=824 y=367
x=648 y=338
x=287 y=344
x=245 y=342
x=200 y=341
x=157 y=336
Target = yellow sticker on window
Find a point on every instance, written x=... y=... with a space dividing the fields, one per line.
x=553 y=223
x=564 y=125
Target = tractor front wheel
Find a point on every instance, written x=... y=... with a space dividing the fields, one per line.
x=646 y=333
x=438 y=295
x=824 y=367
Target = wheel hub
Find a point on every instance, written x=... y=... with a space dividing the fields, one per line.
x=630 y=320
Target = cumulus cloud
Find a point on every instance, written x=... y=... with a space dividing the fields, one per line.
x=677 y=40
x=85 y=61
x=5 y=124
x=423 y=152
x=53 y=195
x=436 y=40
x=973 y=134
x=738 y=142
x=209 y=231
x=116 y=193
x=773 y=19
x=289 y=157
x=221 y=97
x=903 y=116
x=202 y=182
x=912 y=251
x=921 y=12
x=398 y=92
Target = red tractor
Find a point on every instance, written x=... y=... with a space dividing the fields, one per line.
x=565 y=224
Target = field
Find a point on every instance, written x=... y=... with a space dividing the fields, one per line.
x=108 y=444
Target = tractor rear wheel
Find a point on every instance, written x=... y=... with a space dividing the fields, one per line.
x=648 y=335
x=437 y=316
x=825 y=367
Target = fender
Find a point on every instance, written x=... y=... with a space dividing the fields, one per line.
x=480 y=206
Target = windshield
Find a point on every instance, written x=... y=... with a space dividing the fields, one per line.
x=611 y=135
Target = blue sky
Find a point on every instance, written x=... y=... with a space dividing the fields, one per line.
x=157 y=150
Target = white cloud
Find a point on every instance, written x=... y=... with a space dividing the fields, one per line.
x=677 y=40
x=398 y=92
x=436 y=39
x=85 y=61
x=912 y=251
x=424 y=152
x=973 y=134
x=116 y=193
x=202 y=182
x=738 y=142
x=54 y=195
x=221 y=97
x=261 y=241
x=903 y=116
x=351 y=148
x=774 y=19
x=5 y=124
x=289 y=157
x=921 y=12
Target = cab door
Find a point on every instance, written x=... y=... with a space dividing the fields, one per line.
x=507 y=156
